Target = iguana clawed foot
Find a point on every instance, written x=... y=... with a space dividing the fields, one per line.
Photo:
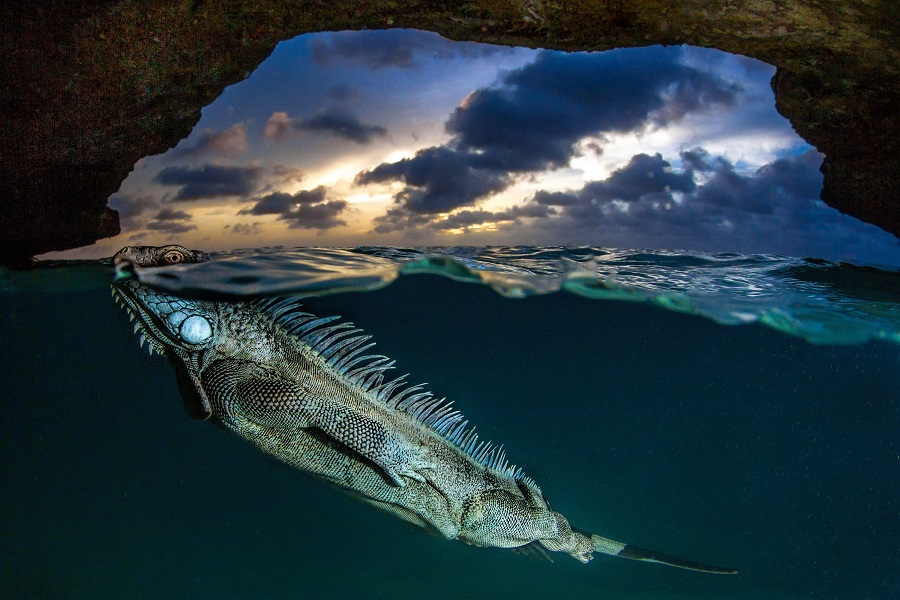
x=408 y=463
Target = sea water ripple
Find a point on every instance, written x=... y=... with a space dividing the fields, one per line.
x=819 y=301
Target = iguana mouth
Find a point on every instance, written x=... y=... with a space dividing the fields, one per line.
x=149 y=326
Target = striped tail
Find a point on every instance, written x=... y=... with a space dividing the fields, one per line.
x=613 y=548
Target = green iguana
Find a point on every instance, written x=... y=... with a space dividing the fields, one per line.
x=305 y=390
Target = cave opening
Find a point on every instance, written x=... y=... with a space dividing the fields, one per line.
x=403 y=137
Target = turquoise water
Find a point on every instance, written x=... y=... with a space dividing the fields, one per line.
x=725 y=408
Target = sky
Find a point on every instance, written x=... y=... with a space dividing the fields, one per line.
x=404 y=138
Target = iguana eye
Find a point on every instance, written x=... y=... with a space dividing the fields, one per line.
x=173 y=257
x=195 y=330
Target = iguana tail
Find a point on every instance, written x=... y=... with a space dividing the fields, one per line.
x=607 y=546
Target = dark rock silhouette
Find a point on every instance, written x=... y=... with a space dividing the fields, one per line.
x=87 y=89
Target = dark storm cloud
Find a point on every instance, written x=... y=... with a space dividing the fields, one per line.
x=168 y=214
x=280 y=203
x=534 y=119
x=132 y=209
x=230 y=142
x=307 y=209
x=437 y=179
x=397 y=218
x=209 y=181
x=644 y=178
x=647 y=203
x=312 y=196
x=171 y=221
x=272 y=204
x=393 y=48
x=280 y=126
x=641 y=196
x=706 y=204
x=320 y=216
x=788 y=186
x=697 y=159
x=467 y=218
x=341 y=125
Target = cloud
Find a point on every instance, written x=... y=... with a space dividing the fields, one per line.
x=648 y=195
x=647 y=202
x=170 y=226
x=317 y=216
x=131 y=209
x=171 y=221
x=312 y=196
x=437 y=179
x=134 y=211
x=393 y=48
x=706 y=204
x=341 y=125
x=272 y=204
x=645 y=179
x=246 y=228
x=534 y=119
x=281 y=202
x=168 y=214
x=465 y=219
x=343 y=93
x=284 y=175
x=210 y=181
x=281 y=127
x=229 y=142
x=774 y=209
x=398 y=219
x=306 y=209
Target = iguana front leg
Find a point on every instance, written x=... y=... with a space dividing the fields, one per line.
x=396 y=456
x=264 y=397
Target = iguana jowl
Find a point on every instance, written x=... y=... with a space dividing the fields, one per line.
x=305 y=390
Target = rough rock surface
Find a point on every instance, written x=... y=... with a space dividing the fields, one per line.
x=90 y=88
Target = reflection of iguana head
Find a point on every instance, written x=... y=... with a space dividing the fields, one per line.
x=159 y=256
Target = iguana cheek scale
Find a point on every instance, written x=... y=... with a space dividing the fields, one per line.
x=306 y=391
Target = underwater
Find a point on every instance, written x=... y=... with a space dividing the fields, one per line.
x=640 y=303
x=735 y=410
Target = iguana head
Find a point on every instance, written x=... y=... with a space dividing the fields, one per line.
x=168 y=322
x=178 y=328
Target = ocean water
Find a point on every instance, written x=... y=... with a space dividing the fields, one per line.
x=736 y=410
